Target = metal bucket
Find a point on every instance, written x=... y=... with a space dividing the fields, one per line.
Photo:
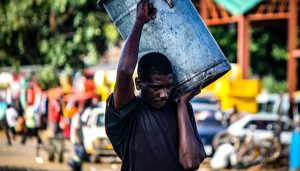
x=179 y=33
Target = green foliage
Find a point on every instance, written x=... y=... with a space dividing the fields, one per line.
x=61 y=33
x=274 y=86
x=267 y=49
x=226 y=37
x=47 y=77
x=268 y=52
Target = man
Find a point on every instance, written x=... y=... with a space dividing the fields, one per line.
x=3 y=121
x=31 y=125
x=11 y=118
x=76 y=137
x=150 y=131
x=54 y=116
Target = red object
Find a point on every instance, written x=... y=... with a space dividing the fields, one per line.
x=30 y=96
x=54 y=110
x=67 y=131
x=89 y=85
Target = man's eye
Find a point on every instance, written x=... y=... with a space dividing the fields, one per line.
x=156 y=88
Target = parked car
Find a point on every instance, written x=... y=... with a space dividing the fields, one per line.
x=270 y=103
x=274 y=103
x=208 y=120
x=96 y=142
x=205 y=103
x=262 y=126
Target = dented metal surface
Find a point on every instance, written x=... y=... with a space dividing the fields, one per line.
x=180 y=34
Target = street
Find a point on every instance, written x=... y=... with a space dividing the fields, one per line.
x=20 y=157
x=23 y=157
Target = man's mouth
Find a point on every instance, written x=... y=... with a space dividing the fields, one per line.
x=161 y=102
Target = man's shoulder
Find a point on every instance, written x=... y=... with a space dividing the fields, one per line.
x=123 y=111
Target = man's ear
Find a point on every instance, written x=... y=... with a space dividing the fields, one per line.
x=138 y=83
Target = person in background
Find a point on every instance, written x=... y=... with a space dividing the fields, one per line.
x=11 y=118
x=54 y=116
x=3 y=121
x=76 y=138
x=87 y=111
x=95 y=101
x=31 y=125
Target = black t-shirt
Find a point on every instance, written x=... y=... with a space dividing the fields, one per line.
x=146 y=138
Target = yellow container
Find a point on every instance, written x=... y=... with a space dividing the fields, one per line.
x=245 y=88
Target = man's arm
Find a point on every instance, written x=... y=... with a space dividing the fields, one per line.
x=190 y=152
x=124 y=88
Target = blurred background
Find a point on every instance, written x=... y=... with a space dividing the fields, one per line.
x=58 y=58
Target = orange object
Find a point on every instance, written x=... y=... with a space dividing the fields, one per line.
x=79 y=96
x=30 y=96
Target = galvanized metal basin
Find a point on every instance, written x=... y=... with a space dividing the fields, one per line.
x=179 y=33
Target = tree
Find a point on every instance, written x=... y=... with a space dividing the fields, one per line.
x=61 y=33
x=267 y=49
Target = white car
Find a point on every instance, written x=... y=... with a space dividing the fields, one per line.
x=96 y=141
x=274 y=103
x=261 y=126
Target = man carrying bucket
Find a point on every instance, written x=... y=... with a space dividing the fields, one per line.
x=150 y=131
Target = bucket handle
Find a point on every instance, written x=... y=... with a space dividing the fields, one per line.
x=170 y=3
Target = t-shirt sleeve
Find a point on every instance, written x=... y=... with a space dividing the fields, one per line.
x=121 y=113
x=119 y=123
x=193 y=122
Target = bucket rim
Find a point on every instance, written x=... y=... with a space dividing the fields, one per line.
x=101 y=2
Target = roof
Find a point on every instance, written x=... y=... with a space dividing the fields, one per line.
x=237 y=7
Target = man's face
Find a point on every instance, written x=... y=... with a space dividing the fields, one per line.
x=156 y=91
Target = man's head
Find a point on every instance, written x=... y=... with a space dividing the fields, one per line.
x=155 y=79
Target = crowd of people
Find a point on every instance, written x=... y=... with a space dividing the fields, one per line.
x=31 y=110
x=16 y=120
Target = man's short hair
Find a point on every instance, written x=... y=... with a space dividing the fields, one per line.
x=153 y=64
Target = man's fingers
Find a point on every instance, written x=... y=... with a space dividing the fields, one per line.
x=196 y=91
x=150 y=5
x=151 y=10
x=153 y=13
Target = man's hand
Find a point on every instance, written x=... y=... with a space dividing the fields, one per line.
x=145 y=11
x=189 y=95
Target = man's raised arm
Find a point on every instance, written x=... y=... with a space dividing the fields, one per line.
x=124 y=88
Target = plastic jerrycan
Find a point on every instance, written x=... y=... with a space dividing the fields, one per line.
x=179 y=33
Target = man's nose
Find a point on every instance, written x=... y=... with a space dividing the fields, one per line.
x=164 y=93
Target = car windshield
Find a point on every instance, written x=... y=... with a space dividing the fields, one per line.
x=100 y=120
x=266 y=107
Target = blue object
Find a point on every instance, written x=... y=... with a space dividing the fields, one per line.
x=238 y=7
x=294 y=151
x=80 y=151
x=207 y=130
